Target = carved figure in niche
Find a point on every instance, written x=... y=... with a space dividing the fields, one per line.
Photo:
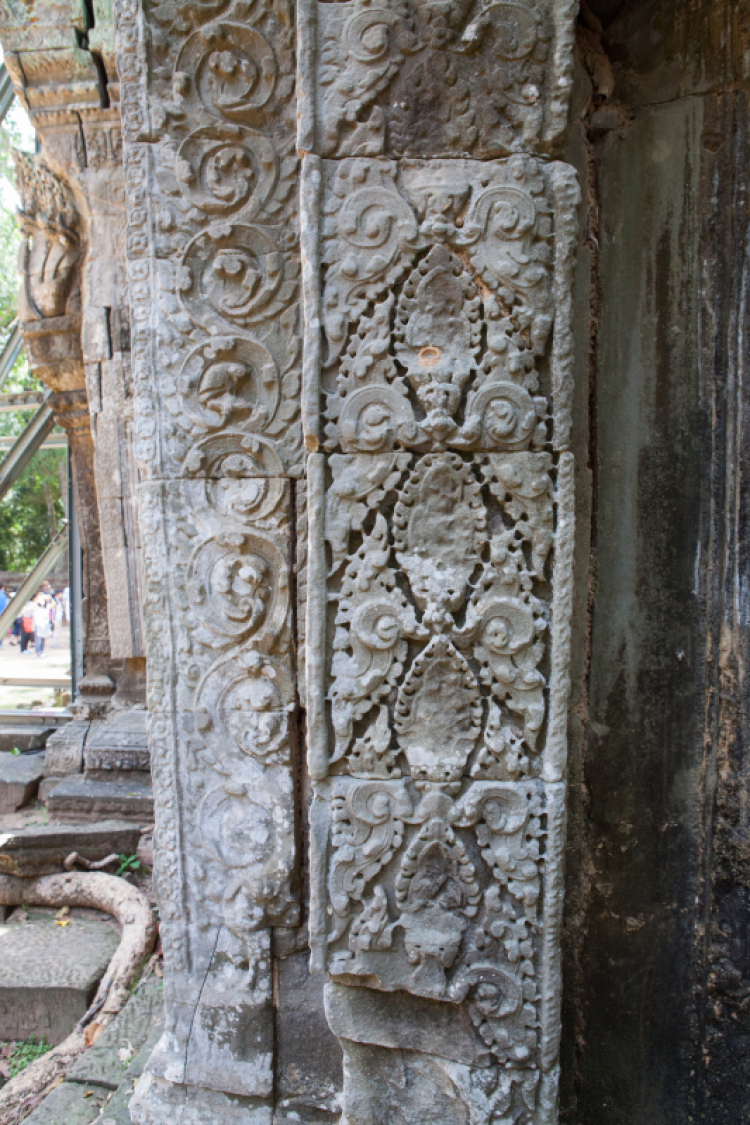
x=437 y=893
x=233 y=587
x=51 y=247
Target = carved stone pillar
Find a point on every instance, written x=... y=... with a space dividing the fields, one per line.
x=433 y=540
x=62 y=64
x=49 y=317
x=208 y=120
x=439 y=253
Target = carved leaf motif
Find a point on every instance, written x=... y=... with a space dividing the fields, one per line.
x=368 y=646
x=439 y=530
x=359 y=483
x=369 y=233
x=438 y=713
x=368 y=819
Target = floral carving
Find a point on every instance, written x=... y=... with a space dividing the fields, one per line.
x=438 y=305
x=414 y=78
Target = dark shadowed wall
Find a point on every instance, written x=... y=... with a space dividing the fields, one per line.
x=657 y=988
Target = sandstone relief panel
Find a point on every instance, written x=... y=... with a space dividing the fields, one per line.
x=438 y=580
x=352 y=381
x=208 y=119
x=412 y=78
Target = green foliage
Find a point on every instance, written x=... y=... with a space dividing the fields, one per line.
x=23 y=1054
x=130 y=863
x=32 y=511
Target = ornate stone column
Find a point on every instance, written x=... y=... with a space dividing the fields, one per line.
x=439 y=252
x=49 y=317
x=62 y=65
x=208 y=117
x=433 y=540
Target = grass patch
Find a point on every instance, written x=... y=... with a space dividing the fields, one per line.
x=22 y=1054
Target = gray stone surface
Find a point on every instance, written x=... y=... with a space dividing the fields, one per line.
x=24 y=737
x=42 y=850
x=19 y=779
x=120 y=743
x=308 y=1061
x=79 y=798
x=141 y=1022
x=69 y=1104
x=49 y=972
x=434 y=407
x=64 y=750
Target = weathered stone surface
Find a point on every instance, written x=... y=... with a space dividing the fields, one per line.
x=309 y=1061
x=80 y=798
x=120 y=743
x=436 y=376
x=49 y=972
x=411 y=79
x=69 y=1104
x=19 y=779
x=63 y=753
x=42 y=850
x=25 y=737
x=156 y=1101
x=141 y=1020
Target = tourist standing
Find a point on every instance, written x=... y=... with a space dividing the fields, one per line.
x=57 y=618
x=42 y=623
x=27 y=625
x=4 y=599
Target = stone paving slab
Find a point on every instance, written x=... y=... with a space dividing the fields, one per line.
x=19 y=779
x=140 y=1022
x=49 y=973
x=42 y=850
x=68 y=1104
x=79 y=798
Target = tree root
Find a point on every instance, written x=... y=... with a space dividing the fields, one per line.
x=99 y=892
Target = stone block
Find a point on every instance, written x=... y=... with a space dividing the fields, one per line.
x=81 y=798
x=309 y=1061
x=42 y=850
x=140 y=1021
x=119 y=744
x=49 y=972
x=19 y=779
x=27 y=736
x=400 y=1021
x=64 y=750
x=69 y=1104
x=156 y=1102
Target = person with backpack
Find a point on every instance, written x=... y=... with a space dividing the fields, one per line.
x=27 y=625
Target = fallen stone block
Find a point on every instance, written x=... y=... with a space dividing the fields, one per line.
x=24 y=737
x=69 y=1104
x=79 y=798
x=19 y=779
x=49 y=972
x=43 y=850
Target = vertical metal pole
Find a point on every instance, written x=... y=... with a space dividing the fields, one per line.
x=76 y=592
